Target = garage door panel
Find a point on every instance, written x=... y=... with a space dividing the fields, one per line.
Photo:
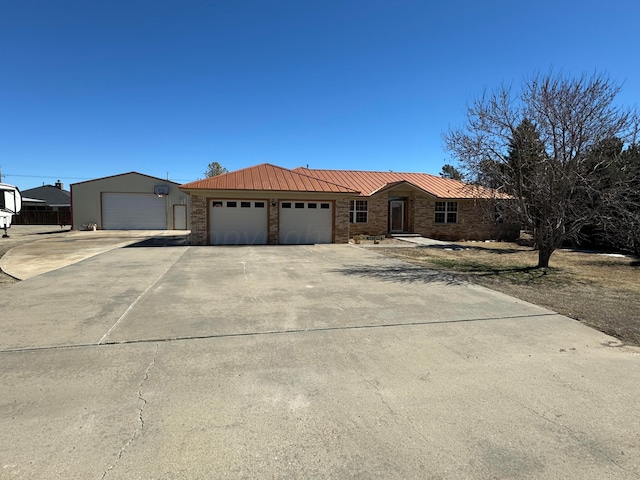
x=306 y=223
x=133 y=211
x=238 y=222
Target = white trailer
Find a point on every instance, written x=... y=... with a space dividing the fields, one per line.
x=10 y=205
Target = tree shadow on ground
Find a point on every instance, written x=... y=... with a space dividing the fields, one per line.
x=399 y=274
x=524 y=276
x=455 y=247
x=466 y=270
x=528 y=273
x=483 y=270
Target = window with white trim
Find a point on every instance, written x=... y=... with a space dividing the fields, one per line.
x=446 y=212
x=358 y=211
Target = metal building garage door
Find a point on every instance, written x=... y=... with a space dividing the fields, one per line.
x=238 y=222
x=133 y=211
x=306 y=223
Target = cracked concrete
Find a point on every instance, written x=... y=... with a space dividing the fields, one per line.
x=340 y=370
x=578 y=437
x=140 y=414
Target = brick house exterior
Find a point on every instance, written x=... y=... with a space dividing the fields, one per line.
x=472 y=220
x=358 y=203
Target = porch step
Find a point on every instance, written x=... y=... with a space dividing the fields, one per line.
x=405 y=235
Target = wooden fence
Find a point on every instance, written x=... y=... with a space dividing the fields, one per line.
x=42 y=217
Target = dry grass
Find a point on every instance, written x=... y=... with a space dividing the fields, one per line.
x=599 y=290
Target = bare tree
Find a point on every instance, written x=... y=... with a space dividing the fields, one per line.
x=214 y=169
x=535 y=146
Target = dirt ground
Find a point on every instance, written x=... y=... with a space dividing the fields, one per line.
x=599 y=289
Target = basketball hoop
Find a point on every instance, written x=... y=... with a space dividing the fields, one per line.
x=161 y=190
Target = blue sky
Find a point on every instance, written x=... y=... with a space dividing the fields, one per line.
x=95 y=88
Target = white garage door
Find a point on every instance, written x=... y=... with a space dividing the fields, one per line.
x=305 y=223
x=133 y=211
x=238 y=222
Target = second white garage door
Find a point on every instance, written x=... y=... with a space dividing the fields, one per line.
x=306 y=223
x=133 y=211
x=237 y=222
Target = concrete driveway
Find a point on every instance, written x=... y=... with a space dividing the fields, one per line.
x=301 y=362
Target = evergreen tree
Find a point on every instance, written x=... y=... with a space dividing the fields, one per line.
x=618 y=221
x=215 y=169
x=449 y=171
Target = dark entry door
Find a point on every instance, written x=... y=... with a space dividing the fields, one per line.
x=396 y=215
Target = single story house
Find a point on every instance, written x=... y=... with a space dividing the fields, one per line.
x=267 y=204
x=55 y=196
x=129 y=201
x=45 y=205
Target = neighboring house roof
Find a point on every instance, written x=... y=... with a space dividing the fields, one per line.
x=370 y=183
x=54 y=196
x=122 y=175
x=267 y=177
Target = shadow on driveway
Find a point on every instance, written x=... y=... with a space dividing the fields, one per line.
x=169 y=241
x=399 y=274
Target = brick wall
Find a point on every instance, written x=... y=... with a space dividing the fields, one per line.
x=274 y=223
x=473 y=223
x=420 y=218
x=378 y=217
x=199 y=232
x=410 y=214
x=341 y=230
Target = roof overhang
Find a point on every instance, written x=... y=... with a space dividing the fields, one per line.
x=32 y=200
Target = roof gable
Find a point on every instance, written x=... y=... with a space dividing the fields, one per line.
x=267 y=177
x=54 y=196
x=125 y=174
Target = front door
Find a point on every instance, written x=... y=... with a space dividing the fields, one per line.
x=396 y=215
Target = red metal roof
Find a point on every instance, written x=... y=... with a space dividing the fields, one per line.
x=369 y=183
x=267 y=177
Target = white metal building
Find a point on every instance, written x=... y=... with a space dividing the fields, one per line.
x=129 y=201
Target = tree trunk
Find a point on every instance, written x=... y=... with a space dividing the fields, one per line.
x=544 y=254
